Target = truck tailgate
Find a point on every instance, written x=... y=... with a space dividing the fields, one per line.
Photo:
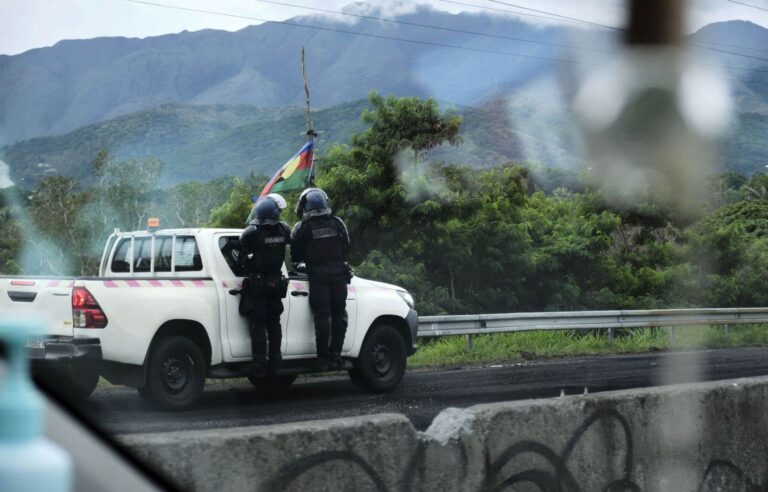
x=47 y=299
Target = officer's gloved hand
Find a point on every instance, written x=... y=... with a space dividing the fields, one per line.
x=300 y=267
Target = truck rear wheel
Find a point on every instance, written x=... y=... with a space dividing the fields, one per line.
x=381 y=364
x=175 y=374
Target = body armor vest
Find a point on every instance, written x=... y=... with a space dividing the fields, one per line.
x=325 y=246
x=267 y=244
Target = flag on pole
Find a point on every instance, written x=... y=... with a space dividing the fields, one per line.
x=295 y=174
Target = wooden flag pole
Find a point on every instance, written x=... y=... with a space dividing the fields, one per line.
x=310 y=131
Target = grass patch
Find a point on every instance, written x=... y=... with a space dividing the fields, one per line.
x=511 y=347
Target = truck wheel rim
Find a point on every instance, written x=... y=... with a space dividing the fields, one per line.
x=382 y=360
x=176 y=372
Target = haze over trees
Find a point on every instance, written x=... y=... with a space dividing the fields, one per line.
x=511 y=237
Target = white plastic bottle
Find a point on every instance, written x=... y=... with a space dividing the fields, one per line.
x=28 y=461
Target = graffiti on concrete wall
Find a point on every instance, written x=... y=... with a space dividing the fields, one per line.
x=508 y=470
x=558 y=478
x=724 y=475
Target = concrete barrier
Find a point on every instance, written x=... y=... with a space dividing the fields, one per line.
x=697 y=437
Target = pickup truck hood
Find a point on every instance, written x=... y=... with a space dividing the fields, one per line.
x=379 y=284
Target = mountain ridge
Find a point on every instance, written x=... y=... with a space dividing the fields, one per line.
x=203 y=142
x=210 y=99
x=77 y=82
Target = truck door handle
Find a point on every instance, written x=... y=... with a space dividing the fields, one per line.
x=297 y=293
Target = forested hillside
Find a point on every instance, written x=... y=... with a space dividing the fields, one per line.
x=197 y=143
x=509 y=237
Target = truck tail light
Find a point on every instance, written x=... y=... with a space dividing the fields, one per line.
x=86 y=312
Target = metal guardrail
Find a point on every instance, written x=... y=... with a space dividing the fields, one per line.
x=478 y=324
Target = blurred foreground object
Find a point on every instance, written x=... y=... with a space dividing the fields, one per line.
x=651 y=118
x=28 y=461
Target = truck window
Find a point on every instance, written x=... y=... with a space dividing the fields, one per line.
x=163 y=252
x=121 y=259
x=142 y=255
x=230 y=248
x=187 y=255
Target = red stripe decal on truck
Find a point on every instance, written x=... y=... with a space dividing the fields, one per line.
x=161 y=283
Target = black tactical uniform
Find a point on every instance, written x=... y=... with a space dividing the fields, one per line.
x=262 y=253
x=321 y=241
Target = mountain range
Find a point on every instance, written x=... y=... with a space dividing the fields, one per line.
x=215 y=102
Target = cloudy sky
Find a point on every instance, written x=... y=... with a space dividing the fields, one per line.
x=31 y=24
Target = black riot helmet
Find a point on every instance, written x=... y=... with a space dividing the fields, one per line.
x=313 y=202
x=267 y=209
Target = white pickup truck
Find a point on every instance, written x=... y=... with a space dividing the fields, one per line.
x=160 y=318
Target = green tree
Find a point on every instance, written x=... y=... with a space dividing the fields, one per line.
x=54 y=222
x=10 y=242
x=364 y=180
x=191 y=204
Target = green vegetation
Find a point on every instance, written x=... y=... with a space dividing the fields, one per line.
x=506 y=347
x=198 y=143
x=195 y=143
x=510 y=238
x=60 y=227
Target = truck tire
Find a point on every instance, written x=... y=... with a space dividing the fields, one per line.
x=74 y=384
x=274 y=384
x=381 y=364
x=175 y=374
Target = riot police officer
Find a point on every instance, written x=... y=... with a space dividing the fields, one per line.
x=321 y=241
x=262 y=252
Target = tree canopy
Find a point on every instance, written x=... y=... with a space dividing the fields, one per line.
x=512 y=237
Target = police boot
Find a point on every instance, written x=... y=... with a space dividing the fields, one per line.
x=274 y=364
x=322 y=364
x=255 y=368
x=335 y=362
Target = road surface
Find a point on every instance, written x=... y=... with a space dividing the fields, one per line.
x=423 y=393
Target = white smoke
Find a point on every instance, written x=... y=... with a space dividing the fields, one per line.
x=418 y=179
x=5 y=176
x=40 y=256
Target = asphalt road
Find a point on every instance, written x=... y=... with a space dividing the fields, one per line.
x=423 y=393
